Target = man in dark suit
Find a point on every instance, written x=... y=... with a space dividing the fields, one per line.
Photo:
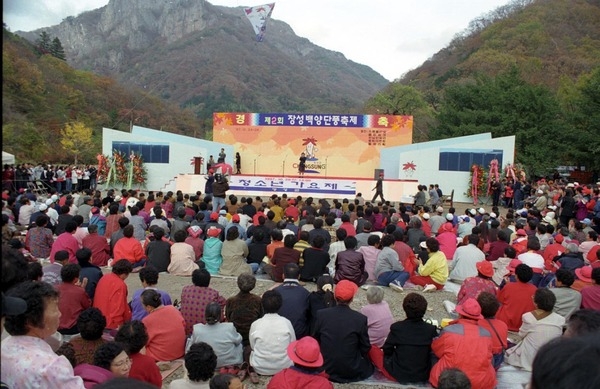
x=295 y=299
x=344 y=339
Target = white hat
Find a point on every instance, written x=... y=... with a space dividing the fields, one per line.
x=493 y=215
x=423 y=244
x=426 y=216
x=570 y=185
x=49 y=202
x=552 y=207
x=540 y=191
x=439 y=209
x=549 y=217
x=576 y=184
x=54 y=197
x=481 y=211
x=118 y=198
x=473 y=212
x=449 y=217
x=43 y=207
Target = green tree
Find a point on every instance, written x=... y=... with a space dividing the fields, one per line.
x=583 y=120
x=43 y=44
x=506 y=105
x=56 y=49
x=76 y=139
x=398 y=99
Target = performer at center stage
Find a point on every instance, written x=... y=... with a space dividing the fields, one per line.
x=238 y=163
x=378 y=188
x=302 y=164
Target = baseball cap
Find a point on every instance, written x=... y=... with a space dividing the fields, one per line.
x=43 y=207
x=235 y=218
x=439 y=209
x=449 y=217
x=473 y=212
x=213 y=232
x=426 y=216
x=49 y=202
x=214 y=216
x=493 y=215
x=481 y=211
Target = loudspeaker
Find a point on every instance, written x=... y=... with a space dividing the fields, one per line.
x=377 y=172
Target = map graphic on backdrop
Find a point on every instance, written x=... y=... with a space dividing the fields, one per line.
x=339 y=145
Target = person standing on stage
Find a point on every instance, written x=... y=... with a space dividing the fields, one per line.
x=378 y=188
x=302 y=165
x=221 y=156
x=238 y=163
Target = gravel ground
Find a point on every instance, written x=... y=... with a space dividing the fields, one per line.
x=227 y=287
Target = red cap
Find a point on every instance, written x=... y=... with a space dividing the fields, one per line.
x=214 y=216
x=235 y=218
x=345 y=290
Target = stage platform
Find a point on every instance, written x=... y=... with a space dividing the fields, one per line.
x=309 y=185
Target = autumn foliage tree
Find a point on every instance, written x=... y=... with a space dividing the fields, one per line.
x=76 y=139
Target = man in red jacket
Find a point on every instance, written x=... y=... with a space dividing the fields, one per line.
x=111 y=295
x=466 y=346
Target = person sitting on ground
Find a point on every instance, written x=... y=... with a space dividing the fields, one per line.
x=194 y=239
x=568 y=300
x=234 y=252
x=211 y=257
x=66 y=241
x=465 y=345
x=165 y=326
x=113 y=357
x=590 y=295
x=91 y=324
x=433 y=274
x=182 y=256
x=406 y=353
x=464 y=260
x=516 y=298
x=539 y=327
x=39 y=239
x=345 y=348
x=489 y=306
x=269 y=338
x=195 y=298
x=222 y=337
x=130 y=248
x=306 y=373
x=370 y=252
x=281 y=257
x=52 y=272
x=88 y=271
x=200 y=364
x=337 y=246
x=350 y=264
x=243 y=309
x=133 y=336
x=294 y=300
x=321 y=298
x=583 y=322
x=558 y=364
x=149 y=280
x=314 y=260
x=158 y=250
x=98 y=244
x=379 y=316
x=27 y=359
x=111 y=295
x=73 y=299
x=473 y=286
x=388 y=268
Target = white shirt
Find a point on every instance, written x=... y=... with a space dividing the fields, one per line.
x=464 y=262
x=269 y=338
x=532 y=259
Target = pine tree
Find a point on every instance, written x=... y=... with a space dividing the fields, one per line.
x=57 y=50
x=43 y=44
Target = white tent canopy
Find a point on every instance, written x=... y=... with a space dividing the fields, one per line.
x=8 y=158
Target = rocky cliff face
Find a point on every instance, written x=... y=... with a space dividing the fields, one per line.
x=194 y=53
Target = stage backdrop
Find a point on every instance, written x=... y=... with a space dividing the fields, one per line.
x=335 y=145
